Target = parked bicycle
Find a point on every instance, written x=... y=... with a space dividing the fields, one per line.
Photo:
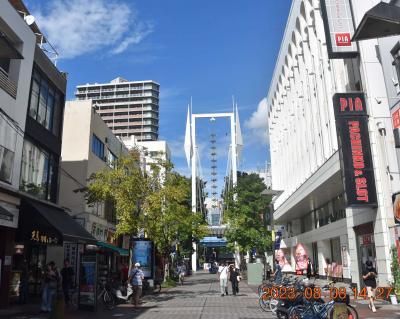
x=106 y=296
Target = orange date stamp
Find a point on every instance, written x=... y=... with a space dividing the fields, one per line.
x=313 y=293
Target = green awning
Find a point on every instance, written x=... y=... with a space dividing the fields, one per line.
x=120 y=251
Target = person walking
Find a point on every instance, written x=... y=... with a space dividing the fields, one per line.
x=136 y=278
x=268 y=269
x=51 y=280
x=309 y=268
x=67 y=280
x=369 y=277
x=278 y=272
x=223 y=272
x=234 y=278
x=181 y=270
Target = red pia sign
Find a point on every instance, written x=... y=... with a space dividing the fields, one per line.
x=355 y=150
x=343 y=39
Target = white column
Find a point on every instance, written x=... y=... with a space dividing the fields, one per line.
x=194 y=193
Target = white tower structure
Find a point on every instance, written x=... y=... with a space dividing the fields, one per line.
x=192 y=156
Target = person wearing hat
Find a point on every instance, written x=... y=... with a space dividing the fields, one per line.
x=369 y=276
x=136 y=278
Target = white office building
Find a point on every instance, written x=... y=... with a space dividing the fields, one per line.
x=324 y=218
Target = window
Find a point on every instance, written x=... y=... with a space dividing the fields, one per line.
x=396 y=63
x=46 y=103
x=111 y=159
x=98 y=147
x=37 y=172
x=8 y=137
x=5 y=64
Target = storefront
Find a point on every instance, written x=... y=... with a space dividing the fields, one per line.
x=44 y=231
x=9 y=214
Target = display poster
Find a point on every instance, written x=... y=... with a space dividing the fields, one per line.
x=339 y=28
x=300 y=258
x=143 y=253
x=283 y=257
x=344 y=256
x=396 y=208
x=355 y=149
x=87 y=282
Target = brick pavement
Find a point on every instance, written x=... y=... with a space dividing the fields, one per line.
x=198 y=298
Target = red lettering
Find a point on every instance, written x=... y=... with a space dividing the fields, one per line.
x=357 y=172
x=343 y=104
x=359 y=105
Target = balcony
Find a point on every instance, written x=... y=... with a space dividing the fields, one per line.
x=7 y=85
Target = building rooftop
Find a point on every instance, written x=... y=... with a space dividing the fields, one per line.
x=117 y=80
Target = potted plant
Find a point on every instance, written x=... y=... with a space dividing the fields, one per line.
x=396 y=277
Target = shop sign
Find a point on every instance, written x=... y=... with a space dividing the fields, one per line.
x=339 y=28
x=396 y=119
x=344 y=256
x=367 y=239
x=43 y=238
x=355 y=150
x=143 y=253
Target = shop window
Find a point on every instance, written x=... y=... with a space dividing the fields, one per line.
x=45 y=103
x=97 y=147
x=396 y=63
x=8 y=138
x=37 y=172
x=109 y=211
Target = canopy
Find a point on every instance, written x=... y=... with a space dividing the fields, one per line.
x=213 y=242
x=383 y=20
x=50 y=224
x=120 y=251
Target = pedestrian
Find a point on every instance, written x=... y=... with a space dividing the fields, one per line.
x=67 y=280
x=136 y=278
x=223 y=272
x=278 y=272
x=124 y=272
x=369 y=276
x=234 y=278
x=268 y=268
x=50 y=283
x=181 y=272
x=309 y=268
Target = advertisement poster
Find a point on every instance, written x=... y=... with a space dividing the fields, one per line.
x=283 y=257
x=87 y=283
x=142 y=253
x=300 y=258
x=396 y=208
x=344 y=256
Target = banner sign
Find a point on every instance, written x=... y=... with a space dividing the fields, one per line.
x=396 y=207
x=278 y=238
x=339 y=28
x=143 y=253
x=355 y=150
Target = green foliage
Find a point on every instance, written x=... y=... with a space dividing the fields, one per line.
x=395 y=271
x=245 y=214
x=158 y=202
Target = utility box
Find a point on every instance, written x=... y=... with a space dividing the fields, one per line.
x=255 y=273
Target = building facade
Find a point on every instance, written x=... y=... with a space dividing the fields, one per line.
x=89 y=146
x=128 y=108
x=308 y=161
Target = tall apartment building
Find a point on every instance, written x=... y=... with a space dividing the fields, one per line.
x=335 y=210
x=128 y=107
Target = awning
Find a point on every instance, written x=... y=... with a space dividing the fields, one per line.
x=213 y=242
x=48 y=224
x=120 y=251
x=383 y=20
x=5 y=214
x=7 y=49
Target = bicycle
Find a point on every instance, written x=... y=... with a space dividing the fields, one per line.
x=107 y=297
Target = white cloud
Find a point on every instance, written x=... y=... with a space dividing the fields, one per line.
x=258 y=123
x=77 y=27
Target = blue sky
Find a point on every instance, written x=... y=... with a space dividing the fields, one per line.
x=208 y=50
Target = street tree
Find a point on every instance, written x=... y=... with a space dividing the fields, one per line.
x=245 y=214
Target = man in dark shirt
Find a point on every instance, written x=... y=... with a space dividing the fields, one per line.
x=369 y=276
x=67 y=275
x=278 y=272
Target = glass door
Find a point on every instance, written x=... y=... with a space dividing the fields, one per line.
x=37 y=264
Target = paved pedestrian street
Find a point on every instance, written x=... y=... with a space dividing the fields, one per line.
x=198 y=298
